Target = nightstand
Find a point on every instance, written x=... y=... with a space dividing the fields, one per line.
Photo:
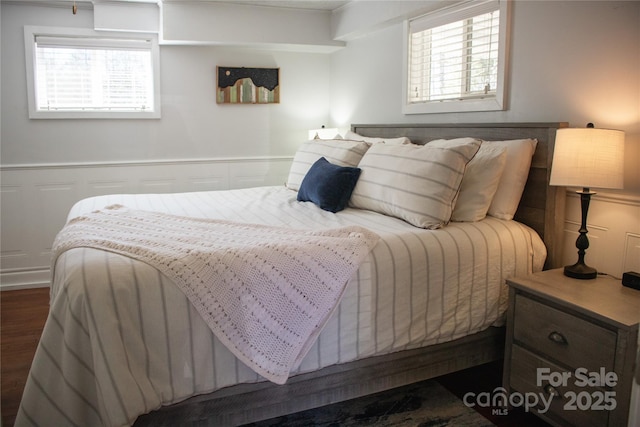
x=572 y=343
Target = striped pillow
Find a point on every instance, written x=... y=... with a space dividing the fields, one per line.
x=416 y=183
x=337 y=151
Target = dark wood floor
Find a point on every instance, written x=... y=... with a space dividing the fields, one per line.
x=22 y=317
x=23 y=314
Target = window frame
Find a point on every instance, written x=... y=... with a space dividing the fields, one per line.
x=448 y=15
x=30 y=34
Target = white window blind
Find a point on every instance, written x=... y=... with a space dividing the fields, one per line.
x=92 y=74
x=80 y=76
x=455 y=56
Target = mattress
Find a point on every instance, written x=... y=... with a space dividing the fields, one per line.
x=122 y=340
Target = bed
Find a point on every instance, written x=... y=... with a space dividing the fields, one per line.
x=124 y=345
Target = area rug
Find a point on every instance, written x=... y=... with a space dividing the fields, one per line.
x=424 y=404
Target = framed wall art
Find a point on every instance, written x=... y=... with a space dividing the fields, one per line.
x=240 y=85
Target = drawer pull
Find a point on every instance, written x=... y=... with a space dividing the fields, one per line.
x=551 y=390
x=557 y=338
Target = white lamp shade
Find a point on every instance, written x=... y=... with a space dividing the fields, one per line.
x=588 y=157
x=324 y=133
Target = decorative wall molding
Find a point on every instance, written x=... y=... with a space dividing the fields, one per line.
x=128 y=163
x=618 y=198
x=37 y=198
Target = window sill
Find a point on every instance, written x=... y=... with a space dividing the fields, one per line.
x=102 y=115
x=454 y=106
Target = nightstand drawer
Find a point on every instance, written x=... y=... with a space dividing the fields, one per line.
x=568 y=339
x=568 y=398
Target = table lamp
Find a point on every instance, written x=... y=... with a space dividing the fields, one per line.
x=587 y=158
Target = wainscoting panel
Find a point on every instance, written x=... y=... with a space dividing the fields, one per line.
x=102 y=187
x=14 y=245
x=52 y=202
x=614 y=232
x=35 y=199
x=632 y=253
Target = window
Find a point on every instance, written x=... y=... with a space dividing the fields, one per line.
x=456 y=59
x=86 y=74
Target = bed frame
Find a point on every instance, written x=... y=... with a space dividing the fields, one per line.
x=541 y=207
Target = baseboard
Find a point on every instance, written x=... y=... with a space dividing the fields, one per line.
x=24 y=279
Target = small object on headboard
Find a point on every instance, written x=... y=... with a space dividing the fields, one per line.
x=631 y=279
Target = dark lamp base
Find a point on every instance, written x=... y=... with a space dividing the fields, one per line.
x=580 y=271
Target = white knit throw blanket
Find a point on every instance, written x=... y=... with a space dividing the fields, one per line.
x=265 y=292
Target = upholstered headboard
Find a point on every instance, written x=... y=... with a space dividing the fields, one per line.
x=541 y=206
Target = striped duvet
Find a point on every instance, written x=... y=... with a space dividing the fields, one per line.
x=122 y=340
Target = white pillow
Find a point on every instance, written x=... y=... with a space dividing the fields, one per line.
x=416 y=183
x=480 y=181
x=514 y=177
x=337 y=151
x=390 y=141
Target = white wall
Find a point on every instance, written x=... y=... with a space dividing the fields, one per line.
x=47 y=165
x=192 y=124
x=573 y=61
x=570 y=61
x=238 y=24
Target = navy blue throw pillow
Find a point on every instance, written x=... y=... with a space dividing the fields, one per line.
x=329 y=186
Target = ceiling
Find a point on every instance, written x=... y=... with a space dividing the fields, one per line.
x=295 y=4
